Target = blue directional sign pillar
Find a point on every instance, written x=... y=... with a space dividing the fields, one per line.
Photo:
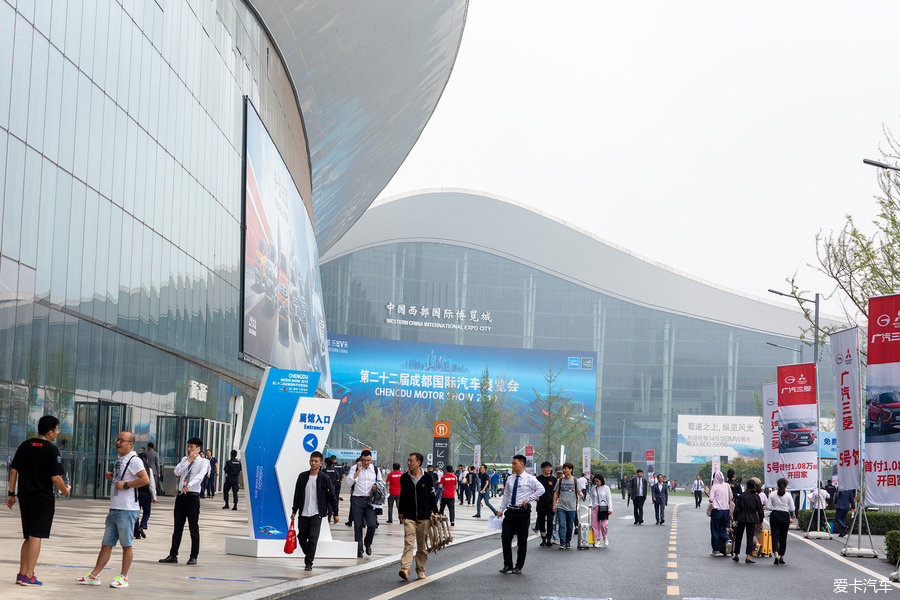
x=286 y=426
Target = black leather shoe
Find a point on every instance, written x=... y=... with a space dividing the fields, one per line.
x=226 y=507
x=506 y=570
x=169 y=559
x=369 y=550
x=517 y=571
x=235 y=508
x=307 y=568
x=192 y=561
x=359 y=554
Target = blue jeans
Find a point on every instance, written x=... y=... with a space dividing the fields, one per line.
x=566 y=520
x=718 y=523
x=486 y=503
x=120 y=527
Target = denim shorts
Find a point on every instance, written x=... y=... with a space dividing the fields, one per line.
x=120 y=527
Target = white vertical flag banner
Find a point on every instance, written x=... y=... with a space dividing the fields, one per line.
x=477 y=459
x=585 y=460
x=770 y=434
x=882 y=463
x=562 y=453
x=845 y=366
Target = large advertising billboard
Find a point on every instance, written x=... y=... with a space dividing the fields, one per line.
x=419 y=374
x=701 y=437
x=882 y=411
x=283 y=319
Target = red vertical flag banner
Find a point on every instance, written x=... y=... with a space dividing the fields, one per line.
x=882 y=414
x=798 y=426
x=651 y=463
x=845 y=367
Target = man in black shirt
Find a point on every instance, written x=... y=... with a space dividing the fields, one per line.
x=484 y=483
x=232 y=471
x=734 y=485
x=336 y=473
x=37 y=467
x=545 y=504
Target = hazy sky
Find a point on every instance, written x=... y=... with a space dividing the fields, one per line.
x=715 y=137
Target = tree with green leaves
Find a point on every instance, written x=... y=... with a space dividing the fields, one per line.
x=860 y=264
x=481 y=418
x=556 y=418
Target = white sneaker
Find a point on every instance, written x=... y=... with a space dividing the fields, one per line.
x=606 y=541
x=88 y=580
x=119 y=582
x=598 y=544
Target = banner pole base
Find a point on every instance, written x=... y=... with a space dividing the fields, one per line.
x=859 y=552
x=817 y=535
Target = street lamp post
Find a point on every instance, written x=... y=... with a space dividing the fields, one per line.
x=622 y=455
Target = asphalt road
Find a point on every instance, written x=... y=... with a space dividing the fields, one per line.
x=645 y=561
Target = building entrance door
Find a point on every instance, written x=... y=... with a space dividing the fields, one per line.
x=94 y=452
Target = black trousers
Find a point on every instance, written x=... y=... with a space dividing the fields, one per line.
x=145 y=501
x=461 y=493
x=450 y=502
x=392 y=500
x=187 y=508
x=308 y=536
x=470 y=494
x=698 y=498
x=363 y=516
x=780 y=520
x=515 y=524
x=545 y=523
x=739 y=534
x=638 y=502
x=231 y=483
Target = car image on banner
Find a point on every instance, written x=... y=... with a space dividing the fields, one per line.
x=796 y=435
x=283 y=318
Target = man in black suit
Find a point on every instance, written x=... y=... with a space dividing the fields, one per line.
x=637 y=493
x=660 y=491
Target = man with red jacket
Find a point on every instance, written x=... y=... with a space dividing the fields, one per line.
x=448 y=495
x=393 y=483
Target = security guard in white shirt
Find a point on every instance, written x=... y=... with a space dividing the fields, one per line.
x=520 y=491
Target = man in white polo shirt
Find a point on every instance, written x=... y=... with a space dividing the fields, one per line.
x=127 y=476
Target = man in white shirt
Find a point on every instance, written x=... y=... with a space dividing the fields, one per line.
x=698 y=492
x=127 y=476
x=520 y=491
x=190 y=474
x=363 y=479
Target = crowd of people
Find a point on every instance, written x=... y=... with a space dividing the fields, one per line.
x=135 y=481
x=547 y=503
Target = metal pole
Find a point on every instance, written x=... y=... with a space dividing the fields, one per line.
x=818 y=416
x=622 y=456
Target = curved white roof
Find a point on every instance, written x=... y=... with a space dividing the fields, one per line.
x=528 y=236
x=368 y=76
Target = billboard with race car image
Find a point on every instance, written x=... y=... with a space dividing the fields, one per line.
x=283 y=318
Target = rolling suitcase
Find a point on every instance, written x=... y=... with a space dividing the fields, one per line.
x=583 y=527
x=765 y=543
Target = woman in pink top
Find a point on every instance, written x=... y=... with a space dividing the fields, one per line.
x=720 y=497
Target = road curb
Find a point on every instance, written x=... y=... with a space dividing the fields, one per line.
x=280 y=590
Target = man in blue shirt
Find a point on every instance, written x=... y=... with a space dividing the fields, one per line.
x=495 y=481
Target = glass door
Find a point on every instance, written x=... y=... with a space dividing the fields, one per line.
x=84 y=455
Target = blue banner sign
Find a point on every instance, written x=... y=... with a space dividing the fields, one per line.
x=419 y=374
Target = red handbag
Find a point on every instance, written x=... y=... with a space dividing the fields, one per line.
x=290 y=544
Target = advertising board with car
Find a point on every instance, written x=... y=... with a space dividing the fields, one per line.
x=283 y=317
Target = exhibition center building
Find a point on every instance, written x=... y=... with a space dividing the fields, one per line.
x=429 y=288
x=170 y=171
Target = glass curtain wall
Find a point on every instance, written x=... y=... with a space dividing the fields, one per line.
x=121 y=131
